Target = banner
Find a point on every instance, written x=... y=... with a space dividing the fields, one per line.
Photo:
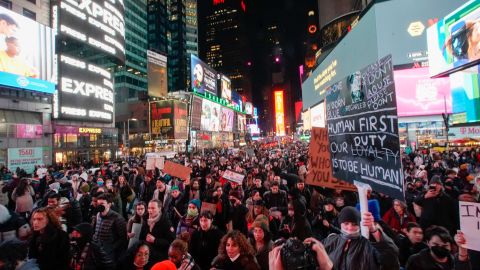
x=319 y=165
x=157 y=74
x=25 y=158
x=177 y=170
x=155 y=162
x=161 y=119
x=470 y=224
x=180 y=116
x=233 y=176
x=362 y=126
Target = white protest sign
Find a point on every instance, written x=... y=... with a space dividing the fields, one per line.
x=233 y=176
x=470 y=224
x=153 y=162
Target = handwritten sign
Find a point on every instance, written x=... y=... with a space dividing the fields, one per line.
x=470 y=224
x=177 y=170
x=362 y=127
x=233 y=176
x=211 y=207
x=320 y=169
x=155 y=162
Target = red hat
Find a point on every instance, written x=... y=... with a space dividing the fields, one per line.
x=164 y=265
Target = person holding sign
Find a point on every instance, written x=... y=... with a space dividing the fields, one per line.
x=350 y=251
x=438 y=255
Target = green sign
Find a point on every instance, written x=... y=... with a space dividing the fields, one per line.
x=220 y=101
x=25 y=158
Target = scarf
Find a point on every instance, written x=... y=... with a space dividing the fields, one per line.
x=151 y=221
x=350 y=236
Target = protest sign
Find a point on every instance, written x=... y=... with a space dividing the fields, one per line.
x=233 y=176
x=211 y=207
x=319 y=165
x=155 y=162
x=362 y=127
x=177 y=170
x=470 y=224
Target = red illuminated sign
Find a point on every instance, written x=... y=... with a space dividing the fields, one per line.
x=279 y=113
x=216 y=2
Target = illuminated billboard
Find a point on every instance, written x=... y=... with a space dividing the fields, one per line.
x=98 y=23
x=465 y=97
x=210 y=120
x=180 y=114
x=157 y=74
x=279 y=113
x=418 y=94
x=27 y=53
x=317 y=115
x=85 y=91
x=249 y=108
x=226 y=120
x=161 y=119
x=226 y=88
x=203 y=78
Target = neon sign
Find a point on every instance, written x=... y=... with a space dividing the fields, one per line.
x=279 y=113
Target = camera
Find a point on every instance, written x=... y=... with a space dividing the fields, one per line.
x=297 y=255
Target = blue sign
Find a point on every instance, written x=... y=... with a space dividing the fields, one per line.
x=27 y=83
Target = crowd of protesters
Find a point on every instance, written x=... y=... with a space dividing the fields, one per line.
x=122 y=216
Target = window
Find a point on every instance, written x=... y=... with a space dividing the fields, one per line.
x=29 y=14
x=32 y=1
x=6 y=4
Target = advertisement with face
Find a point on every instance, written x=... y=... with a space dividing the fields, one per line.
x=98 y=23
x=226 y=90
x=161 y=119
x=157 y=74
x=203 y=78
x=85 y=91
x=27 y=51
x=180 y=116
x=226 y=121
x=454 y=41
x=210 y=120
x=465 y=97
x=418 y=94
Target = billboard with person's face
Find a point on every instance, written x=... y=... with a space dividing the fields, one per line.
x=204 y=78
x=210 y=120
x=27 y=53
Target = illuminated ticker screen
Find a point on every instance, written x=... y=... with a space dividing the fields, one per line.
x=279 y=113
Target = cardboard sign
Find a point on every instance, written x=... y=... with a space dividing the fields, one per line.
x=233 y=176
x=211 y=207
x=155 y=162
x=362 y=127
x=470 y=224
x=177 y=170
x=319 y=165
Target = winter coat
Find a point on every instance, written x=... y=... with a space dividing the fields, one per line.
x=393 y=220
x=407 y=249
x=164 y=234
x=23 y=203
x=51 y=249
x=12 y=225
x=262 y=255
x=188 y=226
x=424 y=261
x=204 y=246
x=30 y=264
x=111 y=231
x=440 y=210
x=96 y=258
x=244 y=262
x=278 y=200
x=362 y=253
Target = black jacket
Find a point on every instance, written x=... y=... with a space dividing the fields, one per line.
x=111 y=232
x=278 y=200
x=244 y=262
x=424 y=261
x=407 y=249
x=51 y=249
x=96 y=258
x=164 y=234
x=362 y=254
x=441 y=210
x=204 y=246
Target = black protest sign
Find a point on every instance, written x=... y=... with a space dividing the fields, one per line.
x=362 y=127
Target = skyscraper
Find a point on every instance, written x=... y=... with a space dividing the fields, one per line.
x=224 y=41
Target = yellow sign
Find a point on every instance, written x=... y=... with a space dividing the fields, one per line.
x=415 y=29
x=90 y=130
x=279 y=113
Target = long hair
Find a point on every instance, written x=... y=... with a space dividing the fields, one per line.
x=49 y=212
x=240 y=240
x=22 y=187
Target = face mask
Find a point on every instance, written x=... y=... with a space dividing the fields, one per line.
x=192 y=212
x=440 y=252
x=100 y=209
x=354 y=235
x=100 y=183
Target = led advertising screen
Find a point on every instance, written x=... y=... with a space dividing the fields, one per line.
x=180 y=116
x=99 y=23
x=210 y=120
x=418 y=94
x=196 y=114
x=27 y=51
x=249 y=108
x=226 y=120
x=226 y=88
x=452 y=42
x=157 y=74
x=203 y=78
x=161 y=119
x=85 y=91
x=279 y=113
x=465 y=97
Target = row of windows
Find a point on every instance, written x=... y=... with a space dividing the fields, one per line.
x=26 y=12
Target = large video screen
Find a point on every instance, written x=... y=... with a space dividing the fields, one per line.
x=226 y=120
x=27 y=51
x=85 y=91
x=226 y=88
x=465 y=96
x=162 y=119
x=203 y=78
x=157 y=74
x=99 y=23
x=210 y=120
x=418 y=94
x=452 y=42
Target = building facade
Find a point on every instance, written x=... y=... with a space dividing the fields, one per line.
x=37 y=10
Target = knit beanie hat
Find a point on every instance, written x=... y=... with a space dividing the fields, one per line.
x=197 y=203
x=349 y=214
x=174 y=188
x=164 y=265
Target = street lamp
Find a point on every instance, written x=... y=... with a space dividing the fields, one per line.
x=126 y=136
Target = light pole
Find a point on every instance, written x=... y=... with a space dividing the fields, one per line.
x=126 y=136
